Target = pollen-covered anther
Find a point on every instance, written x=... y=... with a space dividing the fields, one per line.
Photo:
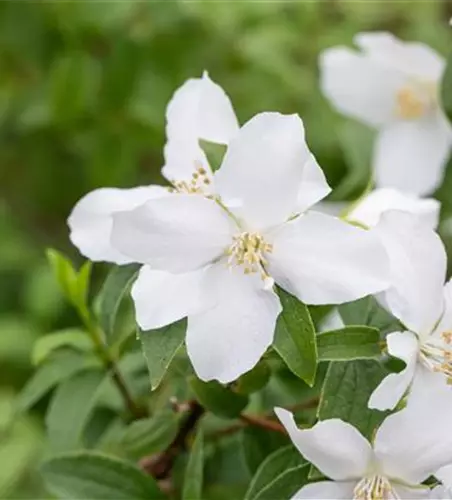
x=436 y=354
x=409 y=104
x=199 y=180
x=248 y=250
x=374 y=488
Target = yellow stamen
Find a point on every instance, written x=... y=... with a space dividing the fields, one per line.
x=374 y=488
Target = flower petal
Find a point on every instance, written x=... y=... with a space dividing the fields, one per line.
x=228 y=339
x=201 y=109
x=414 y=58
x=412 y=155
x=314 y=186
x=406 y=493
x=323 y=260
x=183 y=157
x=335 y=447
x=369 y=210
x=358 y=86
x=440 y=492
x=418 y=270
x=178 y=233
x=91 y=220
x=414 y=443
x=324 y=490
x=445 y=324
x=445 y=475
x=392 y=388
x=263 y=168
x=162 y=298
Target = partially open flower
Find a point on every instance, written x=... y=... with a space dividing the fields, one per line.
x=393 y=86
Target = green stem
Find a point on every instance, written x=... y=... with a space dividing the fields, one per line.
x=97 y=337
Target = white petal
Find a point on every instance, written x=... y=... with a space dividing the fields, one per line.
x=162 y=298
x=440 y=493
x=407 y=493
x=326 y=490
x=91 y=220
x=412 y=155
x=428 y=384
x=183 y=156
x=263 y=168
x=414 y=443
x=358 y=86
x=414 y=58
x=369 y=210
x=314 y=186
x=230 y=338
x=201 y=109
x=392 y=388
x=418 y=270
x=445 y=325
x=178 y=233
x=445 y=475
x=335 y=447
x=323 y=260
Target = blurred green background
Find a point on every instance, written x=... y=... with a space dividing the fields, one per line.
x=83 y=91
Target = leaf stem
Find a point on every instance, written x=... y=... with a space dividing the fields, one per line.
x=97 y=337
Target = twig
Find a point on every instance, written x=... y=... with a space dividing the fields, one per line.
x=159 y=466
x=263 y=422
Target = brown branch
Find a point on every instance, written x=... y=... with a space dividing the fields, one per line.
x=265 y=423
x=159 y=465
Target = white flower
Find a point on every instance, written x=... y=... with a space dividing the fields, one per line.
x=419 y=298
x=393 y=86
x=408 y=447
x=199 y=109
x=214 y=258
x=445 y=476
x=368 y=210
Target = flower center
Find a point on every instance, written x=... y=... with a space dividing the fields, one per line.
x=413 y=101
x=374 y=488
x=198 y=184
x=248 y=251
x=436 y=354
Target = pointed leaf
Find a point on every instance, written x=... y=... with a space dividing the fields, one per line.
x=295 y=338
x=351 y=342
x=280 y=475
x=218 y=399
x=193 y=480
x=159 y=348
x=115 y=287
x=346 y=392
x=70 y=408
x=72 y=337
x=97 y=476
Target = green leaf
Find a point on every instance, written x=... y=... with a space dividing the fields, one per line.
x=64 y=272
x=56 y=369
x=446 y=89
x=193 y=479
x=295 y=338
x=71 y=407
x=280 y=475
x=115 y=287
x=367 y=311
x=74 y=284
x=159 y=348
x=346 y=392
x=351 y=342
x=258 y=444
x=97 y=476
x=255 y=379
x=72 y=337
x=218 y=399
x=150 y=435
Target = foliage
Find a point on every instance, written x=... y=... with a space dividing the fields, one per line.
x=82 y=105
